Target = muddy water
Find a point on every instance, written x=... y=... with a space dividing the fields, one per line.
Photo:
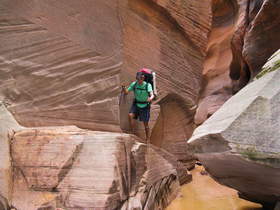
x=203 y=193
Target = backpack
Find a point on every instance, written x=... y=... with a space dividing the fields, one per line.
x=150 y=77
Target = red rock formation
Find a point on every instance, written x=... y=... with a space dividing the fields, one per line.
x=194 y=17
x=67 y=167
x=72 y=168
x=255 y=39
x=173 y=127
x=217 y=85
x=64 y=61
x=244 y=35
x=239 y=144
x=149 y=35
x=49 y=80
x=7 y=128
x=159 y=35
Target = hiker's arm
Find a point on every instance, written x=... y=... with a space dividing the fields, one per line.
x=151 y=93
x=151 y=96
x=130 y=88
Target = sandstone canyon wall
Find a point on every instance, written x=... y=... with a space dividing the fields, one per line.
x=255 y=39
x=64 y=61
x=243 y=36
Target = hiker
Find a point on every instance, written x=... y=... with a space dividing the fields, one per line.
x=140 y=109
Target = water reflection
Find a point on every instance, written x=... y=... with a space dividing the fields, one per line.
x=203 y=193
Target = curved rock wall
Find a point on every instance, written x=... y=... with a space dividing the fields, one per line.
x=63 y=61
x=255 y=39
x=216 y=84
x=173 y=127
x=244 y=34
x=158 y=38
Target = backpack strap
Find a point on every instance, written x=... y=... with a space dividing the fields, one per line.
x=134 y=87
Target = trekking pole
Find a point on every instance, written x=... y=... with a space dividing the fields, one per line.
x=122 y=95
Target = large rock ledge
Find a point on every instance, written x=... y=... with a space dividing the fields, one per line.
x=239 y=145
x=67 y=167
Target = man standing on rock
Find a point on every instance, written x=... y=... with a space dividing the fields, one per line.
x=140 y=109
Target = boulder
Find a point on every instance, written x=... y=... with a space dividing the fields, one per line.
x=73 y=168
x=68 y=167
x=8 y=126
x=239 y=145
x=173 y=126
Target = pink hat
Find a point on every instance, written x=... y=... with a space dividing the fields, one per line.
x=145 y=70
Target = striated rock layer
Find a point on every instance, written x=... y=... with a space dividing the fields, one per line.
x=63 y=61
x=239 y=145
x=67 y=167
x=49 y=80
x=216 y=84
x=173 y=127
x=157 y=37
x=79 y=169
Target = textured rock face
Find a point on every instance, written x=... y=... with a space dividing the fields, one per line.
x=8 y=126
x=239 y=144
x=194 y=17
x=63 y=61
x=89 y=170
x=67 y=167
x=243 y=36
x=173 y=127
x=49 y=78
x=157 y=35
x=61 y=57
x=255 y=39
x=217 y=85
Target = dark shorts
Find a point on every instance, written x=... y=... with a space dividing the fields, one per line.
x=143 y=114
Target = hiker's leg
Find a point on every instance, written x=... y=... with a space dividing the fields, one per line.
x=132 y=115
x=144 y=116
x=131 y=121
x=147 y=131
